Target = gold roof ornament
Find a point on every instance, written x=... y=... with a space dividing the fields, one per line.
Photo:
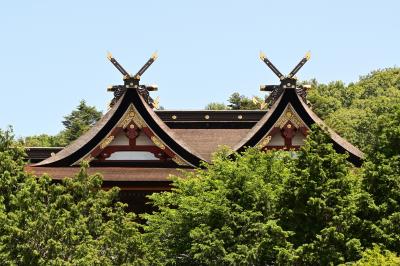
x=262 y=56
x=156 y=103
x=154 y=55
x=308 y=55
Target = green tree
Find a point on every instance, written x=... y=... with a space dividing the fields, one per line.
x=382 y=181
x=79 y=121
x=73 y=222
x=319 y=204
x=75 y=124
x=43 y=140
x=224 y=215
x=216 y=106
x=377 y=257
x=353 y=110
x=326 y=98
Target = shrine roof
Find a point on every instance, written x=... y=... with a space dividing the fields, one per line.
x=290 y=100
x=131 y=106
x=184 y=138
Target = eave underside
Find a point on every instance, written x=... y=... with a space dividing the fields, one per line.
x=112 y=174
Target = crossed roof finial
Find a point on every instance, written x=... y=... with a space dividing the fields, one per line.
x=287 y=82
x=292 y=73
x=133 y=81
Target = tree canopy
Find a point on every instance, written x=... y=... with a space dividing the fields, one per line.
x=353 y=110
x=73 y=222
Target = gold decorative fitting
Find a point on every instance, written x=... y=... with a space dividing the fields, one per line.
x=263 y=105
x=264 y=142
x=131 y=126
x=240 y=117
x=308 y=55
x=289 y=126
x=106 y=142
x=174 y=117
x=109 y=56
x=255 y=101
x=289 y=115
x=132 y=116
x=207 y=117
x=154 y=56
x=52 y=154
x=179 y=161
x=156 y=103
x=262 y=55
x=158 y=142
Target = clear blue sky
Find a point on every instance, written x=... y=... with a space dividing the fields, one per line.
x=53 y=53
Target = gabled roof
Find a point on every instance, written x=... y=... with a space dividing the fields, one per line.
x=291 y=105
x=130 y=108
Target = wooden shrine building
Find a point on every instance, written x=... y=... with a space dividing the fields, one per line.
x=137 y=148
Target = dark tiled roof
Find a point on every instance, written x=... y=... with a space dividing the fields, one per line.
x=207 y=141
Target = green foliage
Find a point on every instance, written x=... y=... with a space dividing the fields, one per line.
x=224 y=215
x=326 y=99
x=44 y=140
x=377 y=257
x=319 y=204
x=353 y=110
x=216 y=106
x=76 y=123
x=11 y=166
x=382 y=180
x=387 y=137
x=80 y=121
x=263 y=208
x=72 y=222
